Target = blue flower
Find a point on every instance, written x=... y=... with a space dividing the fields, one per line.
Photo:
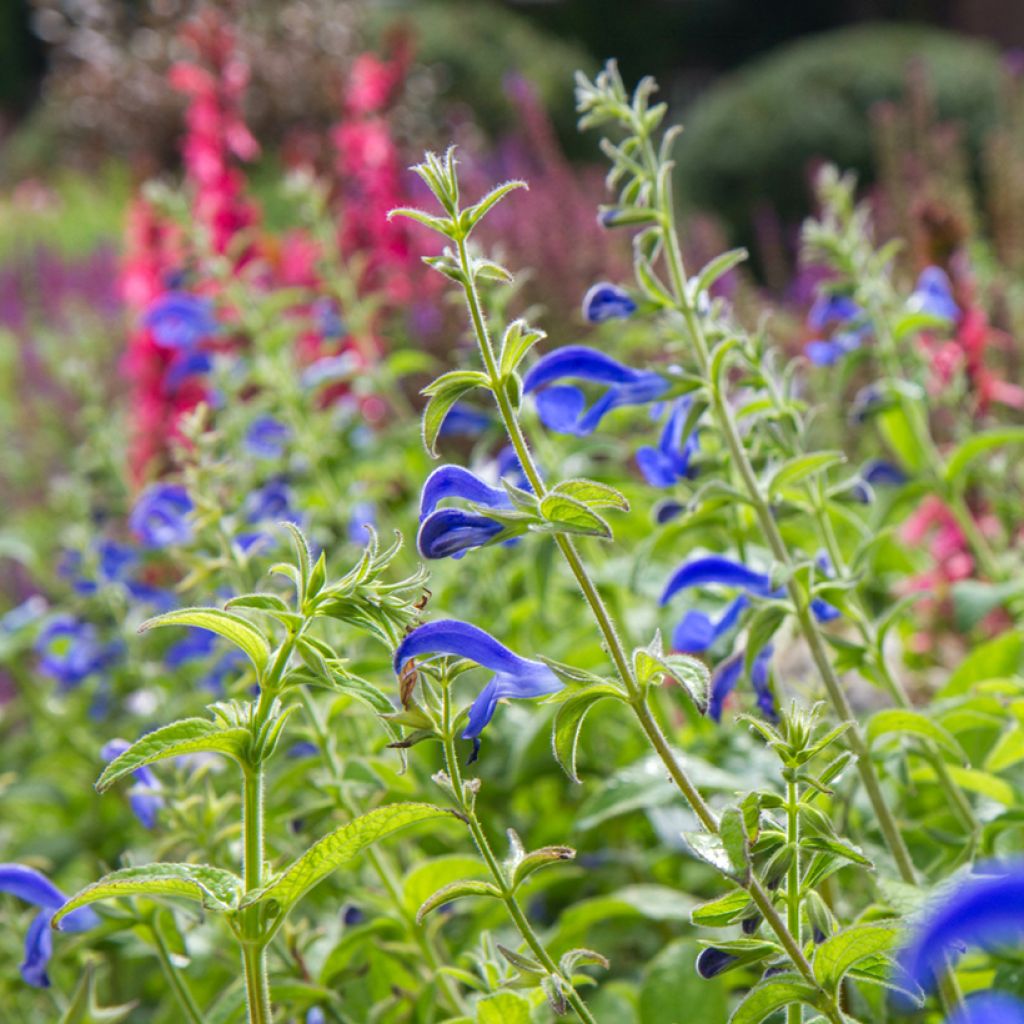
x=180 y=320
x=464 y=421
x=115 y=559
x=270 y=503
x=829 y=309
x=562 y=408
x=670 y=461
x=144 y=796
x=328 y=318
x=266 y=437
x=989 y=1008
x=828 y=313
x=727 y=674
x=329 y=369
x=711 y=962
x=361 y=515
x=605 y=301
x=160 y=517
x=196 y=644
x=877 y=473
x=933 y=295
x=70 y=651
x=513 y=676
x=984 y=910
x=451 y=532
x=34 y=887
x=187 y=363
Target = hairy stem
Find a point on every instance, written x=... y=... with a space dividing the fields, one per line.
x=178 y=984
x=254 y=961
x=794 y=1013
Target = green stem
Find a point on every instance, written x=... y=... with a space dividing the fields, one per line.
x=181 y=990
x=254 y=961
x=794 y=1013
x=508 y=896
x=613 y=644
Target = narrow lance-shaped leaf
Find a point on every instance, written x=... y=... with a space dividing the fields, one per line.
x=242 y=633
x=454 y=891
x=443 y=393
x=569 y=721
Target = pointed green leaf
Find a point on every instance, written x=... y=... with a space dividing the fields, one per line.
x=802 y=467
x=454 y=891
x=443 y=393
x=718 y=267
x=845 y=950
x=214 y=888
x=189 y=736
x=242 y=633
x=964 y=454
x=592 y=493
x=722 y=911
x=902 y=722
x=765 y=999
x=569 y=718
x=566 y=515
x=518 y=339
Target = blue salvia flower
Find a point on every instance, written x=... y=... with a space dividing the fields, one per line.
x=839 y=315
x=69 y=567
x=328 y=318
x=933 y=295
x=115 y=560
x=315 y=1015
x=451 y=532
x=180 y=320
x=197 y=643
x=266 y=437
x=989 y=1008
x=605 y=301
x=463 y=420
x=161 y=516
x=144 y=796
x=34 y=887
x=712 y=961
x=698 y=632
x=187 y=363
x=829 y=309
x=361 y=515
x=985 y=910
x=563 y=408
x=270 y=503
x=70 y=651
x=727 y=674
x=877 y=473
x=514 y=676
x=670 y=460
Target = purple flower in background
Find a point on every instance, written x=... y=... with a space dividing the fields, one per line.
x=670 y=460
x=605 y=301
x=115 y=560
x=464 y=421
x=563 y=408
x=315 y=1015
x=270 y=503
x=144 y=796
x=933 y=295
x=877 y=473
x=180 y=320
x=196 y=644
x=989 y=1008
x=841 y=316
x=450 y=532
x=266 y=437
x=514 y=676
x=829 y=310
x=361 y=515
x=187 y=363
x=34 y=887
x=70 y=651
x=984 y=910
x=303 y=748
x=161 y=514
x=328 y=318
x=727 y=674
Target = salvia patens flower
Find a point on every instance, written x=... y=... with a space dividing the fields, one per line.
x=266 y=437
x=361 y=515
x=161 y=516
x=196 y=644
x=711 y=962
x=115 y=559
x=70 y=651
x=727 y=674
x=451 y=532
x=985 y=910
x=663 y=465
x=270 y=503
x=563 y=408
x=989 y=1007
x=464 y=421
x=877 y=473
x=513 y=676
x=933 y=295
x=180 y=320
x=144 y=796
x=34 y=887
x=605 y=301
x=839 y=317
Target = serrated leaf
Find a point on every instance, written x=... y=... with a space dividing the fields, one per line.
x=443 y=393
x=774 y=994
x=189 y=736
x=966 y=452
x=568 y=722
x=214 y=888
x=592 y=493
x=454 y=891
x=843 y=951
x=566 y=515
x=337 y=848
x=242 y=633
x=902 y=721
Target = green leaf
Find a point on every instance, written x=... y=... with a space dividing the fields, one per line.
x=899 y=435
x=569 y=721
x=843 y=951
x=800 y=468
x=566 y=515
x=902 y=721
x=964 y=454
x=537 y=859
x=455 y=890
x=996 y=658
x=258 y=602
x=518 y=339
x=473 y=214
x=592 y=493
x=984 y=784
x=713 y=850
x=722 y=911
x=689 y=672
x=503 y=1008
x=828 y=844
x=1008 y=751
x=763 y=625
x=733 y=833
x=83 y=1007
x=974 y=599
x=763 y=1000
x=443 y=394
x=718 y=267
x=214 y=888
x=442 y=225
x=189 y=736
x=337 y=848
x=242 y=633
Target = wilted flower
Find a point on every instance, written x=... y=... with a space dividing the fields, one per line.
x=562 y=408
x=266 y=437
x=180 y=320
x=160 y=517
x=144 y=796
x=513 y=676
x=670 y=460
x=605 y=301
x=34 y=887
